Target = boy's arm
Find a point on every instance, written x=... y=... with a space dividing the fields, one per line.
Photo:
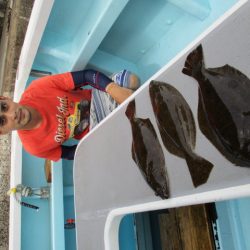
x=100 y=81
x=72 y=80
x=91 y=77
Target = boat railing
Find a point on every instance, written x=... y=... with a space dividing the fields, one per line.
x=38 y=20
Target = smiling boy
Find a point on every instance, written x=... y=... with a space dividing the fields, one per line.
x=43 y=116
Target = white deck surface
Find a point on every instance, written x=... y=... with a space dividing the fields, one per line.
x=107 y=182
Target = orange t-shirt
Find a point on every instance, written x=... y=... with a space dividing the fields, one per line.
x=56 y=100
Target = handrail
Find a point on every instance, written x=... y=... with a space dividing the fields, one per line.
x=38 y=19
x=57 y=207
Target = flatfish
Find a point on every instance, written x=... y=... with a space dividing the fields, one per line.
x=224 y=107
x=177 y=128
x=147 y=153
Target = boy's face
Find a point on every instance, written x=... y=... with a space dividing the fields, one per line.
x=13 y=116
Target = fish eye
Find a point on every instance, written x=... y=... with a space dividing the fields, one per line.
x=4 y=107
x=2 y=121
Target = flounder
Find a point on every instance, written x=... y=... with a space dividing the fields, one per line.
x=224 y=107
x=147 y=152
x=177 y=128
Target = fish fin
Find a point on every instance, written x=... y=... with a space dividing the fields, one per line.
x=194 y=63
x=199 y=169
x=203 y=121
x=137 y=162
x=130 y=111
x=226 y=69
x=133 y=153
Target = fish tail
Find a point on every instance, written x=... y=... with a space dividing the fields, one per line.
x=199 y=169
x=194 y=63
x=130 y=111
